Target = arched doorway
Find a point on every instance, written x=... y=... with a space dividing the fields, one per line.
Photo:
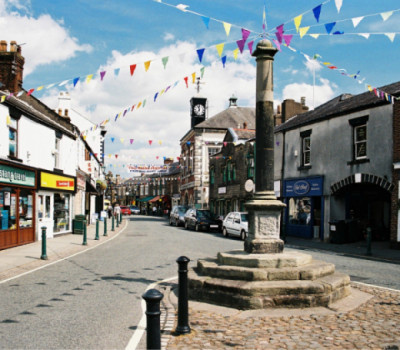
x=364 y=201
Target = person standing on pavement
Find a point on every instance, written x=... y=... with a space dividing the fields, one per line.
x=154 y=210
x=117 y=210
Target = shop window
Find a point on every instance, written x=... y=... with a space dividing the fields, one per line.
x=13 y=137
x=25 y=208
x=61 y=212
x=300 y=211
x=213 y=150
x=8 y=208
x=44 y=207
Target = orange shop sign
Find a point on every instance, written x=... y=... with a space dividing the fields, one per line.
x=58 y=182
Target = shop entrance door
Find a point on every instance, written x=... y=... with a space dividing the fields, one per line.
x=45 y=214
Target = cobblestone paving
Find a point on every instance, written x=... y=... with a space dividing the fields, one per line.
x=373 y=325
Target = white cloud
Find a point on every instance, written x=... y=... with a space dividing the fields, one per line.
x=47 y=40
x=168 y=119
x=314 y=95
x=169 y=37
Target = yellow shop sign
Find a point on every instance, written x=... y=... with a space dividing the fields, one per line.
x=57 y=182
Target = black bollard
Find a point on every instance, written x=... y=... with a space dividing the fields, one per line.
x=153 y=298
x=84 y=233
x=97 y=230
x=112 y=225
x=183 y=314
x=105 y=227
x=44 y=244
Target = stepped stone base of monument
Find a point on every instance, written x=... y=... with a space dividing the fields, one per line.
x=257 y=281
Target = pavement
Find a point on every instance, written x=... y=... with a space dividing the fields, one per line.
x=368 y=319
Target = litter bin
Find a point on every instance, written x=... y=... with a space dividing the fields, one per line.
x=337 y=231
x=78 y=224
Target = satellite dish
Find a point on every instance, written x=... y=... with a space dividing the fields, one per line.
x=249 y=185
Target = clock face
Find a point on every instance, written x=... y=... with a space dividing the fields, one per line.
x=198 y=109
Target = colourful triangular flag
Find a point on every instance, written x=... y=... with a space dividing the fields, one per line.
x=147 y=65
x=131 y=141
x=193 y=78
x=206 y=20
x=329 y=27
x=200 y=53
x=240 y=44
x=297 y=22
x=165 y=61
x=102 y=74
x=288 y=39
x=76 y=81
x=202 y=72
x=386 y=15
x=89 y=78
x=356 y=21
x=338 y=4
x=227 y=27
x=235 y=53
x=250 y=46
x=303 y=31
x=150 y=142
x=220 y=49
x=390 y=36
x=186 y=81
x=223 y=61
x=317 y=12
x=132 y=68
x=245 y=34
x=315 y=36
x=116 y=71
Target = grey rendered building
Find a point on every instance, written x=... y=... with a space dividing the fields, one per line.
x=335 y=163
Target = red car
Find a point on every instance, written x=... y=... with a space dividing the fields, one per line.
x=125 y=210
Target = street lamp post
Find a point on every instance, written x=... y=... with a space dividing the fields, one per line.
x=264 y=209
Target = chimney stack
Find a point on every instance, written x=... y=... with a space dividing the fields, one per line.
x=11 y=66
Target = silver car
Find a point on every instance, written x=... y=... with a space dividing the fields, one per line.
x=236 y=224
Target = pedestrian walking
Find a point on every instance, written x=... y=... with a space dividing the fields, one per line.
x=117 y=210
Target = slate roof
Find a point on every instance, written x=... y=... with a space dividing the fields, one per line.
x=245 y=134
x=340 y=105
x=230 y=118
x=34 y=108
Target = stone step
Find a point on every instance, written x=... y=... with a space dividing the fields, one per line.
x=278 y=260
x=267 y=294
x=311 y=271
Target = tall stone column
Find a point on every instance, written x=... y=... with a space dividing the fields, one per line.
x=264 y=209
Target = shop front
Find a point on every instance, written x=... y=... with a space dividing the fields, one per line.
x=304 y=207
x=17 y=205
x=55 y=199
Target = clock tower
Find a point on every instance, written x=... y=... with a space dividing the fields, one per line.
x=198 y=109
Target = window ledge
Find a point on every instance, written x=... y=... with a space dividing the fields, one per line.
x=358 y=161
x=58 y=171
x=304 y=167
x=15 y=159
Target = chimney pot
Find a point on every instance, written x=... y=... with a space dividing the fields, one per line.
x=303 y=101
x=13 y=46
x=244 y=125
x=3 y=46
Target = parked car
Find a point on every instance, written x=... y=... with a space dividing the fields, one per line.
x=177 y=216
x=200 y=219
x=134 y=209
x=125 y=210
x=236 y=224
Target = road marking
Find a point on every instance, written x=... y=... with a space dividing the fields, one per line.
x=137 y=336
x=62 y=259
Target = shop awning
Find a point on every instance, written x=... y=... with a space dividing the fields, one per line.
x=155 y=199
x=145 y=199
x=91 y=189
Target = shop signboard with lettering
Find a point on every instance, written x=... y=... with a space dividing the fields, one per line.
x=312 y=186
x=57 y=182
x=17 y=176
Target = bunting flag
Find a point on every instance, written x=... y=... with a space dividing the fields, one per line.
x=250 y=46
x=122 y=140
x=131 y=141
x=338 y=4
x=155 y=96
x=240 y=44
x=206 y=21
x=165 y=61
x=186 y=81
x=76 y=81
x=150 y=142
x=132 y=68
x=329 y=27
x=385 y=15
x=160 y=142
x=193 y=77
x=147 y=65
x=288 y=39
x=227 y=27
x=182 y=7
x=200 y=53
x=220 y=49
x=390 y=36
x=102 y=74
x=202 y=69
x=116 y=71
x=235 y=53
x=264 y=25
x=88 y=79
x=112 y=139
x=303 y=31
x=356 y=21
x=245 y=34
x=223 y=61
x=277 y=44
x=317 y=12
x=297 y=22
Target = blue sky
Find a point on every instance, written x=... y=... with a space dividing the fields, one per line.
x=69 y=39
